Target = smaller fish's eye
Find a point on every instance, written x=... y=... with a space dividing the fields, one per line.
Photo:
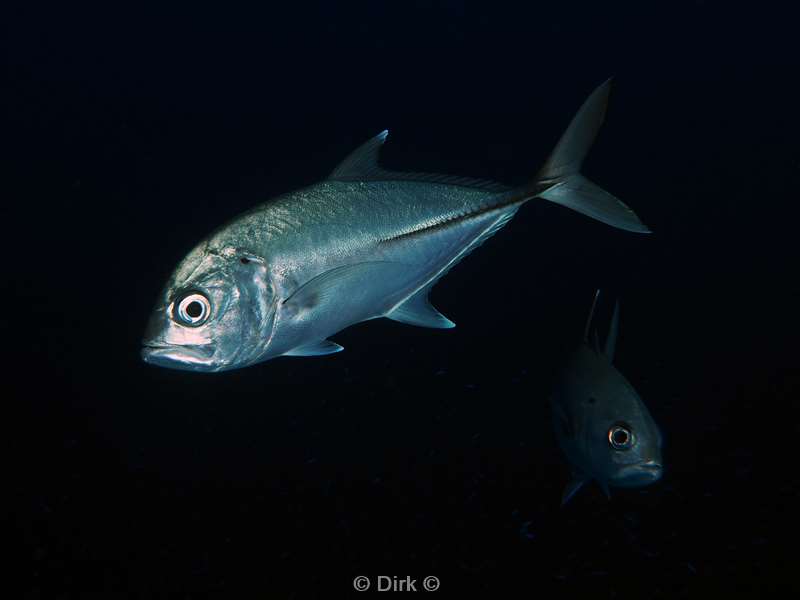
x=192 y=310
x=620 y=436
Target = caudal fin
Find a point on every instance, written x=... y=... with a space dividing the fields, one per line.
x=560 y=180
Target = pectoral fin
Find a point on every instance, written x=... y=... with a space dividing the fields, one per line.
x=320 y=348
x=329 y=287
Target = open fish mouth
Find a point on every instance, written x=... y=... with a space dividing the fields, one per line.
x=188 y=357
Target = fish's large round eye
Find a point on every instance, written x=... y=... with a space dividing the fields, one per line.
x=620 y=436
x=192 y=310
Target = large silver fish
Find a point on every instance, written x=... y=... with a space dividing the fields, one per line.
x=365 y=243
x=601 y=423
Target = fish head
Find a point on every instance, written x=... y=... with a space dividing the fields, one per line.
x=215 y=313
x=623 y=440
x=603 y=426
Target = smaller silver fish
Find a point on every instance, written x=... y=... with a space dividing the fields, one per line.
x=601 y=423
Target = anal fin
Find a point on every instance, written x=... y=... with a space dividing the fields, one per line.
x=417 y=310
x=318 y=348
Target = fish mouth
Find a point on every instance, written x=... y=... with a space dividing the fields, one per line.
x=186 y=357
x=639 y=475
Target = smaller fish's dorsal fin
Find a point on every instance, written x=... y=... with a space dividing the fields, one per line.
x=589 y=318
x=613 y=330
x=319 y=348
x=362 y=163
x=417 y=310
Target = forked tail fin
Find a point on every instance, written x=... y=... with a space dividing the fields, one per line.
x=560 y=180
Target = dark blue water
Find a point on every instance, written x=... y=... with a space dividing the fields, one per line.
x=133 y=131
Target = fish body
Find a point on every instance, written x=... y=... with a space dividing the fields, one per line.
x=602 y=425
x=281 y=278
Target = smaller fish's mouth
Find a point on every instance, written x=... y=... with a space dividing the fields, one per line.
x=639 y=475
x=188 y=358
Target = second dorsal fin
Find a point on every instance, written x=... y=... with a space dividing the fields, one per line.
x=362 y=165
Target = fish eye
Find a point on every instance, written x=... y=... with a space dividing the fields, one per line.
x=620 y=436
x=193 y=310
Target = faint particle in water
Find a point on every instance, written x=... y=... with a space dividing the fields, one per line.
x=691 y=568
x=441 y=372
x=631 y=518
x=470 y=386
x=344 y=525
x=525 y=532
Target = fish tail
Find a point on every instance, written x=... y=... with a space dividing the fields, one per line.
x=560 y=180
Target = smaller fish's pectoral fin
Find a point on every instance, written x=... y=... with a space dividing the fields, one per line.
x=417 y=310
x=319 y=348
x=572 y=488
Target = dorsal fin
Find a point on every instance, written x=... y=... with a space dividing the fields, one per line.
x=589 y=318
x=611 y=340
x=362 y=165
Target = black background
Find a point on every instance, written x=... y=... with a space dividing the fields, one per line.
x=132 y=131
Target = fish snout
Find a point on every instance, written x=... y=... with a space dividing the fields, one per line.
x=189 y=358
x=161 y=346
x=640 y=474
